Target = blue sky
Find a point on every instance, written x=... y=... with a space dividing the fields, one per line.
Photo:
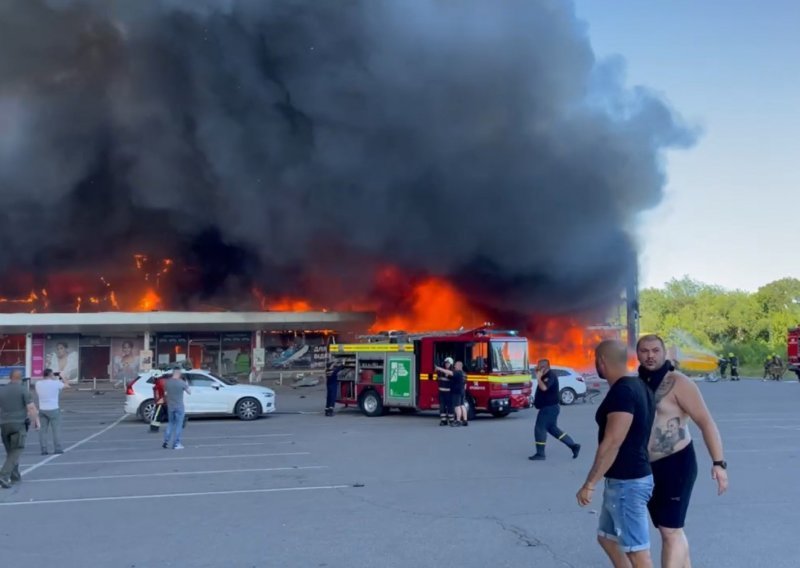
x=733 y=68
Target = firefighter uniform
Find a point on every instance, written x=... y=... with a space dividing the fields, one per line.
x=546 y=401
x=445 y=396
x=733 y=361
x=332 y=386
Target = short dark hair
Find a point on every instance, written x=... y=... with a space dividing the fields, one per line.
x=128 y=342
x=650 y=337
x=63 y=343
x=48 y=373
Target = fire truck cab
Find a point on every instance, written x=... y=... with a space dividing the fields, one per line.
x=397 y=370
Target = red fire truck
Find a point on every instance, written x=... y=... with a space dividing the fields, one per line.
x=793 y=352
x=396 y=370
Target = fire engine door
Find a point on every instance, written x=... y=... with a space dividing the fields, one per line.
x=400 y=380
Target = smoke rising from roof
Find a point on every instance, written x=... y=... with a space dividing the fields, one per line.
x=294 y=142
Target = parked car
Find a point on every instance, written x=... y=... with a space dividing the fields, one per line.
x=571 y=384
x=211 y=395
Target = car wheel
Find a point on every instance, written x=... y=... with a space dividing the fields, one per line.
x=248 y=409
x=147 y=409
x=371 y=403
x=567 y=396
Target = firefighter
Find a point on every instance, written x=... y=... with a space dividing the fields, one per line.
x=547 y=402
x=723 y=366
x=332 y=385
x=443 y=375
x=733 y=361
x=767 y=365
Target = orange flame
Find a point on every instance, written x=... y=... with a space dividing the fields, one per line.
x=437 y=305
x=149 y=302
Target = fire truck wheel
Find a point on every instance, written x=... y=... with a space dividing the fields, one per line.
x=371 y=403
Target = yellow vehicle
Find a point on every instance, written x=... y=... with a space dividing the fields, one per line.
x=693 y=361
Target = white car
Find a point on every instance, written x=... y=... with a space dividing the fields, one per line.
x=571 y=384
x=211 y=394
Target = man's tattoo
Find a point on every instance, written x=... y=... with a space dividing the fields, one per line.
x=665 y=387
x=664 y=441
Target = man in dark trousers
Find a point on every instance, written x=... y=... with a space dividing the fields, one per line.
x=546 y=401
x=443 y=375
x=16 y=408
x=332 y=385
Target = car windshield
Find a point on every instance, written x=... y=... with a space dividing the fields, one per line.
x=509 y=356
x=222 y=379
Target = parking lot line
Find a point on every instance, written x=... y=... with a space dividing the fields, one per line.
x=174 y=473
x=154 y=436
x=158 y=446
x=176 y=458
x=172 y=495
x=72 y=447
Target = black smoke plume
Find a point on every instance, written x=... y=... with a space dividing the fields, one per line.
x=301 y=145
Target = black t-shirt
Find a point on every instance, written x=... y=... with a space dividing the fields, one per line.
x=631 y=395
x=550 y=396
x=457 y=382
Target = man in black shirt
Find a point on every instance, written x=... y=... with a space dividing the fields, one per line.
x=624 y=420
x=458 y=381
x=546 y=400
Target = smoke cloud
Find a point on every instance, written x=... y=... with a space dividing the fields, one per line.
x=302 y=145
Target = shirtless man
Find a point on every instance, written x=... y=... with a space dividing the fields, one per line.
x=671 y=450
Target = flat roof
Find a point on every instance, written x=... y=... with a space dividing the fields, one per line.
x=98 y=323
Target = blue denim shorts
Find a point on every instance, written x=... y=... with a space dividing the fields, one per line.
x=624 y=517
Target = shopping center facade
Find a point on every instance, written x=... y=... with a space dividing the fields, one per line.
x=119 y=345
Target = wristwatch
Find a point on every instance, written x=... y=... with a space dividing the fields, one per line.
x=721 y=463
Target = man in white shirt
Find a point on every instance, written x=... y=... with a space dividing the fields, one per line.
x=48 y=390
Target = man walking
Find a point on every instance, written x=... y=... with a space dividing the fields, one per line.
x=671 y=449
x=624 y=421
x=174 y=388
x=16 y=408
x=546 y=400
x=48 y=391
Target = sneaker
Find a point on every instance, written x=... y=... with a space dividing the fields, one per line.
x=177 y=447
x=5 y=483
x=165 y=445
x=464 y=423
x=455 y=424
x=536 y=457
x=576 y=449
x=59 y=451
x=44 y=452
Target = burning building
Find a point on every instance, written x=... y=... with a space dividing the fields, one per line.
x=435 y=163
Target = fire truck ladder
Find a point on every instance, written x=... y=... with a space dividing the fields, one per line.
x=395 y=336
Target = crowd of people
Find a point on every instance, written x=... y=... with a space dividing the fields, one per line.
x=645 y=457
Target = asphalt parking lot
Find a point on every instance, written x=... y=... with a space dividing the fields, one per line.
x=308 y=491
